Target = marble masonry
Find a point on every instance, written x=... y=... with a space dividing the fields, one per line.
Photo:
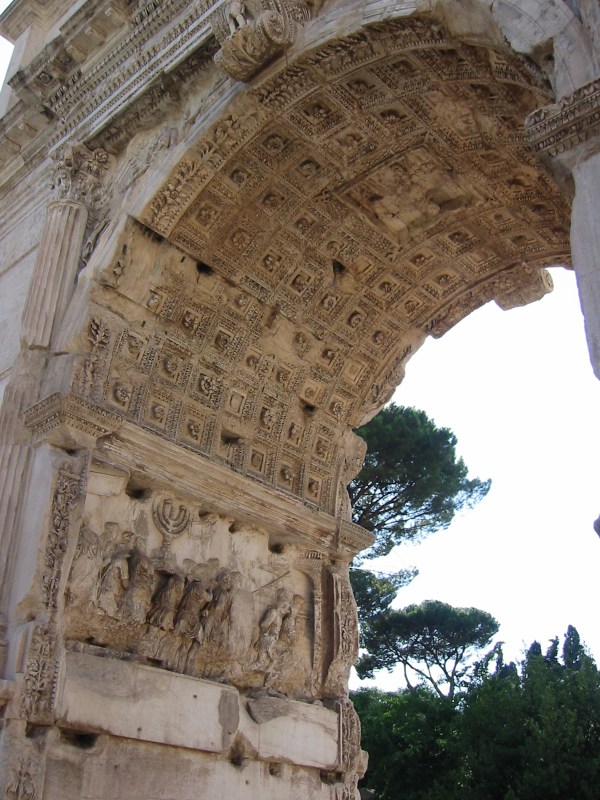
x=225 y=227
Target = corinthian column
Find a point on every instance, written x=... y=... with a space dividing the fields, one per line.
x=76 y=184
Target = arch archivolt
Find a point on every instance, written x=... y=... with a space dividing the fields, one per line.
x=372 y=193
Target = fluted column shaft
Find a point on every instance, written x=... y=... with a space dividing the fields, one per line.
x=55 y=271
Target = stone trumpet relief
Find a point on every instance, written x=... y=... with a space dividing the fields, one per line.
x=156 y=579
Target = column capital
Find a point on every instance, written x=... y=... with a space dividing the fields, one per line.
x=78 y=174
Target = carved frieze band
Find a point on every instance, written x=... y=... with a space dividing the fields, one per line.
x=66 y=494
x=21 y=783
x=60 y=412
x=38 y=686
x=40 y=677
x=555 y=129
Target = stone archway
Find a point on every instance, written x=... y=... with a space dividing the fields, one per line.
x=259 y=263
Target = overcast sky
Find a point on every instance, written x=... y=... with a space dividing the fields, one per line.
x=517 y=389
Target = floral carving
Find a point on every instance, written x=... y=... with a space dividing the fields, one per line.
x=66 y=495
x=40 y=674
x=21 y=785
x=78 y=175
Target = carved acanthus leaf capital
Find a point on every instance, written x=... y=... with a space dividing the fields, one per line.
x=79 y=174
x=253 y=33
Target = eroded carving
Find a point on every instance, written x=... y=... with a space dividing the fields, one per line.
x=202 y=617
x=79 y=173
x=39 y=679
x=66 y=495
x=254 y=32
x=21 y=781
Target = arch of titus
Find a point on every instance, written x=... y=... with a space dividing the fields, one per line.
x=224 y=229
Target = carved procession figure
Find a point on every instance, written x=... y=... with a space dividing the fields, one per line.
x=84 y=571
x=217 y=617
x=241 y=620
x=139 y=591
x=114 y=579
x=270 y=629
x=164 y=608
x=196 y=598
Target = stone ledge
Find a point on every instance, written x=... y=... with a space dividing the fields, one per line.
x=133 y=701
x=557 y=128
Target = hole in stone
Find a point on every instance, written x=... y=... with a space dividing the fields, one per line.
x=227 y=437
x=276 y=547
x=237 y=755
x=308 y=408
x=137 y=492
x=338 y=268
x=35 y=731
x=203 y=269
x=71 y=452
x=84 y=741
x=330 y=777
x=154 y=235
x=275 y=769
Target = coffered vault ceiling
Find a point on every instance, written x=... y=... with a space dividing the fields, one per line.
x=375 y=191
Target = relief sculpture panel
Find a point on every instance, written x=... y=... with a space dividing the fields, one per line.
x=159 y=580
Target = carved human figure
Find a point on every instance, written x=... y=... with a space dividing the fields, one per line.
x=241 y=619
x=289 y=626
x=85 y=564
x=270 y=629
x=236 y=15
x=217 y=617
x=114 y=579
x=196 y=599
x=139 y=591
x=166 y=602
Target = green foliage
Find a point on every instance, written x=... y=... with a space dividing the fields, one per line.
x=412 y=482
x=374 y=591
x=517 y=732
x=406 y=733
x=432 y=640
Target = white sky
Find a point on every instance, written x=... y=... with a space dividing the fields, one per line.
x=517 y=389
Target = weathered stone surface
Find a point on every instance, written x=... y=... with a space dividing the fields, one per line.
x=235 y=225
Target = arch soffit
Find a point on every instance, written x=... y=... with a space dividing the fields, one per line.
x=341 y=209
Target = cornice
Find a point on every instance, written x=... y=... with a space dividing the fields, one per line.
x=555 y=129
x=70 y=421
x=76 y=88
x=20 y=15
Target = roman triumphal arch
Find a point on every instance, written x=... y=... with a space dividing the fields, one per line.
x=224 y=229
